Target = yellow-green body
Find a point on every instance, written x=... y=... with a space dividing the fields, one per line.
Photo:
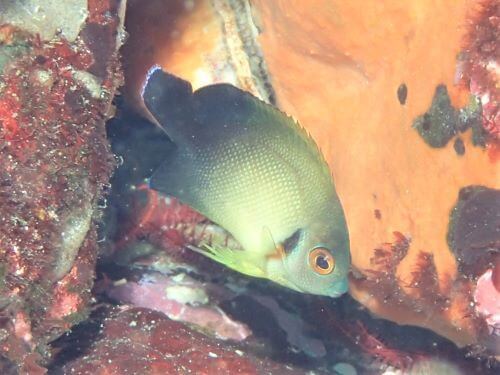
x=254 y=171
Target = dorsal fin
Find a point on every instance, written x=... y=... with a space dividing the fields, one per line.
x=226 y=110
x=215 y=113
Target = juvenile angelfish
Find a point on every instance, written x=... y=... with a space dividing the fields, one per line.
x=255 y=172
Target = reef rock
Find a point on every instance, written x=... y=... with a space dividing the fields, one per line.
x=141 y=341
x=58 y=74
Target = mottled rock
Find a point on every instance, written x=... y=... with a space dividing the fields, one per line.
x=141 y=341
x=55 y=163
x=474 y=230
x=48 y=18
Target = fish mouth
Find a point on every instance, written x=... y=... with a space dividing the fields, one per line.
x=337 y=294
x=333 y=294
x=290 y=284
x=341 y=287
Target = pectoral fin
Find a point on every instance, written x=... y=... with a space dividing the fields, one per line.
x=234 y=259
x=267 y=242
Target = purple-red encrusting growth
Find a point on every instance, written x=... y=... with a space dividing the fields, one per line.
x=54 y=163
x=481 y=63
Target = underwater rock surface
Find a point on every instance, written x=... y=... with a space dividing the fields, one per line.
x=141 y=341
x=56 y=88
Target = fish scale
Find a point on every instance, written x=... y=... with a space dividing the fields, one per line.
x=275 y=211
x=255 y=172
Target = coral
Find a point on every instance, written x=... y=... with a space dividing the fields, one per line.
x=47 y=18
x=54 y=164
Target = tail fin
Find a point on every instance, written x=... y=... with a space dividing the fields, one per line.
x=168 y=98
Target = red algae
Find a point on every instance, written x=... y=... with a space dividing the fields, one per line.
x=480 y=68
x=54 y=163
x=168 y=224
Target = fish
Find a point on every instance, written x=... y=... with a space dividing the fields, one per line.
x=255 y=172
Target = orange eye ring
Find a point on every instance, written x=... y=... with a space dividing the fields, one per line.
x=321 y=261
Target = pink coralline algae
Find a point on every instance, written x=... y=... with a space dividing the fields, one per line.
x=487 y=299
x=487 y=305
x=181 y=298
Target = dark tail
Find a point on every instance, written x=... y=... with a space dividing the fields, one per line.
x=167 y=97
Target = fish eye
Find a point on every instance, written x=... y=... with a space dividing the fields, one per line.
x=321 y=261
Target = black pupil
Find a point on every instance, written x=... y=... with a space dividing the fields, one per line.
x=321 y=262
